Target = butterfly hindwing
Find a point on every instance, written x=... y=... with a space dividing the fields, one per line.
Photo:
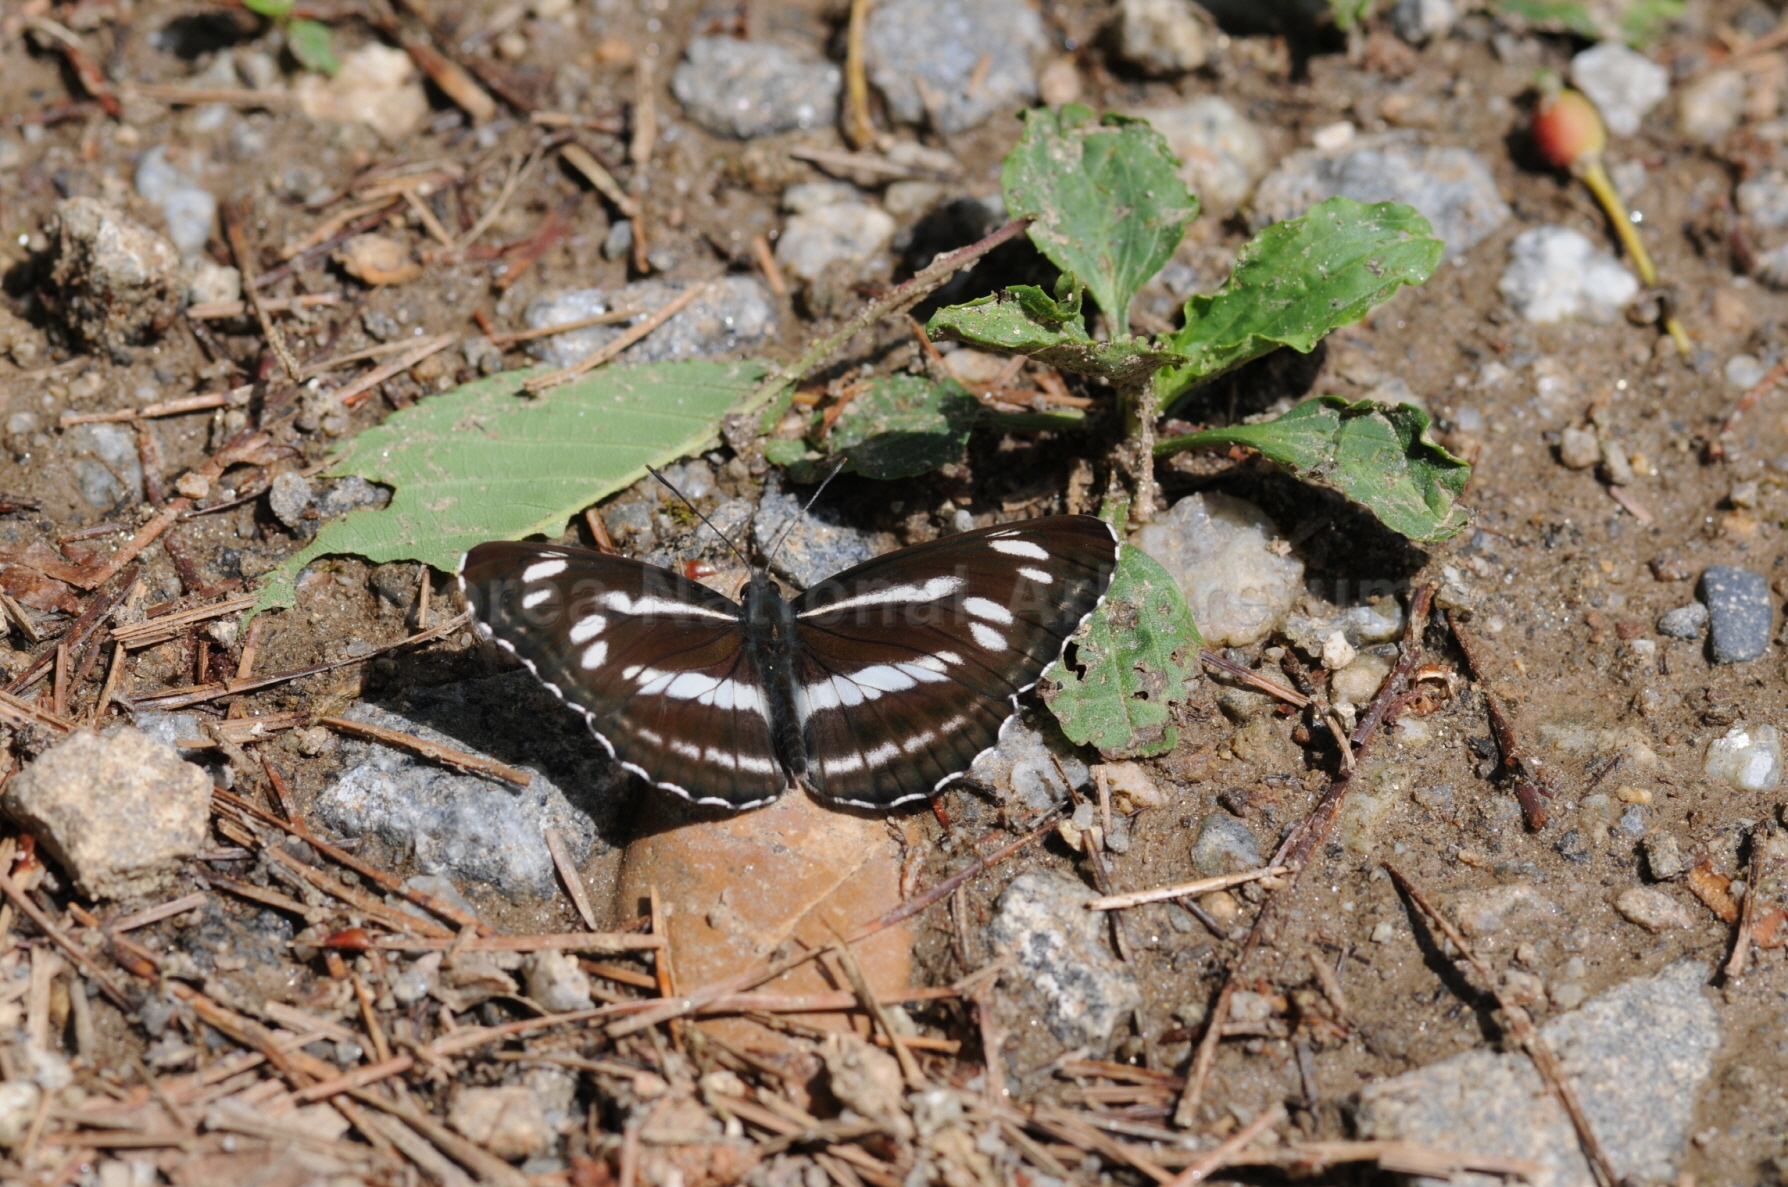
x=907 y=666
x=657 y=664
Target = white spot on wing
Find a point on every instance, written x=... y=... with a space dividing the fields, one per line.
x=594 y=655
x=990 y=610
x=882 y=755
x=586 y=628
x=934 y=590
x=987 y=637
x=541 y=570
x=648 y=606
x=533 y=598
x=1022 y=548
x=1037 y=575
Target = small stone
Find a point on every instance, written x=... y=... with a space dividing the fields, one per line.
x=1738 y=611
x=1712 y=106
x=1652 y=909
x=1221 y=551
x=1745 y=496
x=1337 y=652
x=1061 y=957
x=1514 y=906
x=1748 y=758
x=1763 y=200
x=1359 y=682
x=923 y=56
x=554 y=980
x=619 y=240
x=748 y=89
x=1632 y=822
x=191 y=485
x=1452 y=187
x=209 y=282
x=1578 y=448
x=1663 y=856
x=1421 y=21
x=189 y=209
x=1222 y=154
x=116 y=282
x=732 y=314
x=1225 y=845
x=1623 y=83
x=1165 y=37
x=1669 y=566
x=289 y=497
x=508 y=1121
x=1684 y=622
x=1556 y=274
x=418 y=978
x=1438 y=798
x=107 y=466
x=377 y=260
x=117 y=811
x=318 y=739
x=838 y=238
x=18 y=1107
x=814 y=549
x=378 y=85
x=866 y=1080
x=1383 y=932
x=1058 y=84
x=1027 y=765
x=347 y=494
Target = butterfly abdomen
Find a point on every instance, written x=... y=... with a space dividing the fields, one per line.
x=770 y=633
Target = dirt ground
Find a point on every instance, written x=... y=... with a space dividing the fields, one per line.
x=1563 y=576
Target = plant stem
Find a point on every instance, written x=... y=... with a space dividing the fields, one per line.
x=913 y=290
x=1596 y=178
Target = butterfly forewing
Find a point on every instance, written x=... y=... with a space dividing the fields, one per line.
x=657 y=664
x=907 y=666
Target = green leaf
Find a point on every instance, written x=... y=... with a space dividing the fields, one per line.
x=271 y=9
x=1555 y=16
x=1296 y=281
x=1025 y=320
x=312 y=44
x=1129 y=664
x=483 y=462
x=1104 y=201
x=1376 y=455
x=1348 y=13
x=903 y=426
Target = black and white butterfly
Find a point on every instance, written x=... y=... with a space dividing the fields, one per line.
x=875 y=687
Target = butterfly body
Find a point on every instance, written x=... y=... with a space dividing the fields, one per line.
x=877 y=686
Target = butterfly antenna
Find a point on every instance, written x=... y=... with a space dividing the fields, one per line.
x=724 y=539
x=782 y=535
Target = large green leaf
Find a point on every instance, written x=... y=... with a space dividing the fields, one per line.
x=1130 y=663
x=1296 y=281
x=1026 y=320
x=484 y=462
x=1103 y=198
x=1377 y=455
x=903 y=426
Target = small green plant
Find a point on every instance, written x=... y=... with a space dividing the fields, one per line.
x=311 y=42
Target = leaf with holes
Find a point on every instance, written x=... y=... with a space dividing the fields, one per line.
x=485 y=462
x=1129 y=664
x=1025 y=320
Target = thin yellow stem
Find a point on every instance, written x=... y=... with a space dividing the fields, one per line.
x=1596 y=178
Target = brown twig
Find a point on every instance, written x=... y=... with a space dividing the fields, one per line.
x=1747 y=916
x=570 y=875
x=581 y=159
x=1519 y=768
x=1249 y=676
x=633 y=334
x=75 y=952
x=613 y=317
x=234 y=234
x=857 y=126
x=766 y=263
x=1240 y=1140
x=1183 y=889
x=472 y=764
x=362 y=387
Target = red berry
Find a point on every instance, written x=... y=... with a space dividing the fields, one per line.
x=1567 y=128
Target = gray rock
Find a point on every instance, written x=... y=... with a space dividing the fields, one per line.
x=188 y=208
x=289 y=497
x=107 y=467
x=116 y=282
x=754 y=88
x=814 y=549
x=1164 y=36
x=482 y=355
x=117 y=812
x=1663 y=856
x=1514 y=907
x=1712 y=105
x=733 y=313
x=1738 y=613
x=922 y=55
x=207 y=281
x=1578 y=448
x=1220 y=550
x=1684 y=622
x=1062 y=958
x=507 y=1120
x=555 y=981
x=1771 y=267
x=1451 y=187
x=469 y=829
x=807 y=196
x=833 y=240
x=1421 y=21
x=347 y=494
x=1363 y=625
x=1225 y=845
x=1623 y=83
x=1222 y=155
x=1556 y=274
x=1748 y=758
x=619 y=240
x=1639 y=1055
x=1652 y=909
x=1632 y=822
x=1027 y=765
x=1764 y=200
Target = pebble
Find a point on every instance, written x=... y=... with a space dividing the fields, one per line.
x=506 y=1120
x=1639 y=1055
x=922 y=55
x=188 y=208
x=1748 y=758
x=1663 y=856
x=1652 y=909
x=1578 y=448
x=748 y=89
x=1061 y=957
x=464 y=827
x=289 y=497
x=1684 y=622
x=1763 y=200
x=735 y=312
x=208 y=281
x=555 y=981
x=117 y=811
x=833 y=240
x=1557 y=274
x=1221 y=551
x=1516 y=906
x=1362 y=625
x=1452 y=187
x=1164 y=37
x=1222 y=154
x=114 y=279
x=12 y=153
x=378 y=85
x=814 y=549
x=18 y=1107
x=1359 y=682
x=1026 y=766
x=1421 y=21
x=1711 y=106
x=1623 y=83
x=1225 y=845
x=107 y=466
x=1771 y=267
x=1739 y=613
